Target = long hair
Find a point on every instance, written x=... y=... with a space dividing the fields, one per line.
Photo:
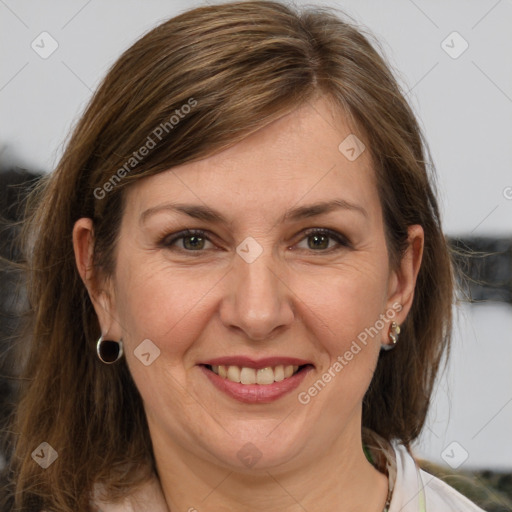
x=193 y=86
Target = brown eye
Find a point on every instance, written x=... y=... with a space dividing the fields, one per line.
x=193 y=242
x=189 y=240
x=318 y=241
x=324 y=240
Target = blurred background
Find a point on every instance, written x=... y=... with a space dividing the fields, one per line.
x=452 y=58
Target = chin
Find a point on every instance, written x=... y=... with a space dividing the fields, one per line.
x=255 y=448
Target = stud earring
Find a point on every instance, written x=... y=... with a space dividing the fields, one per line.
x=394 y=331
x=109 y=351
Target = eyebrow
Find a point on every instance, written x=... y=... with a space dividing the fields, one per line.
x=208 y=214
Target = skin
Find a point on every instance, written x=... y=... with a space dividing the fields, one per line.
x=293 y=300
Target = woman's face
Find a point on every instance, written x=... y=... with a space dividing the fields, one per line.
x=289 y=268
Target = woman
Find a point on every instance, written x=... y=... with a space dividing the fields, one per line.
x=241 y=228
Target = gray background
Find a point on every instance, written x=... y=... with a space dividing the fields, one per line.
x=465 y=108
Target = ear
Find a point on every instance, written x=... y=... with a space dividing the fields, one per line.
x=101 y=297
x=402 y=281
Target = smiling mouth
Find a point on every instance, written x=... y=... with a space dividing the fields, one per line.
x=262 y=376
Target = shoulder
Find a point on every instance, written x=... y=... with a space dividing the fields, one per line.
x=419 y=491
x=440 y=496
x=148 y=497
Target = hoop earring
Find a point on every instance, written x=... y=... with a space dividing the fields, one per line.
x=109 y=351
x=394 y=332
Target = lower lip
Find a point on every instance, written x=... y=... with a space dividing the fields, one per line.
x=256 y=393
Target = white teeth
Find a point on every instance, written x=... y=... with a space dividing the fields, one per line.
x=265 y=376
x=279 y=373
x=233 y=373
x=248 y=376
x=262 y=376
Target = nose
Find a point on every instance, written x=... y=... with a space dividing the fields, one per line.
x=257 y=299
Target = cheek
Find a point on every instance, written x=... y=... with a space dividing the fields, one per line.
x=163 y=304
x=168 y=307
x=343 y=308
x=344 y=302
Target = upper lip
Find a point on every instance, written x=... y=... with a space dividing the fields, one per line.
x=248 y=362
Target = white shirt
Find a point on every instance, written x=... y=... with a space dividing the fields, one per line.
x=414 y=490
x=418 y=491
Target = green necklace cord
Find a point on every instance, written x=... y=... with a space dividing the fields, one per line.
x=368 y=455
x=371 y=461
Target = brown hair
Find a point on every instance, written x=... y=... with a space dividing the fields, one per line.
x=239 y=66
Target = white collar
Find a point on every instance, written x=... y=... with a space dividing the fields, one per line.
x=418 y=491
x=408 y=489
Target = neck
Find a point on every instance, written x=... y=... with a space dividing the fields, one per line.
x=336 y=480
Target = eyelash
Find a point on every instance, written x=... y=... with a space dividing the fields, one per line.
x=342 y=241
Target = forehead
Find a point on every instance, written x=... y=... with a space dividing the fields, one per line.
x=304 y=157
